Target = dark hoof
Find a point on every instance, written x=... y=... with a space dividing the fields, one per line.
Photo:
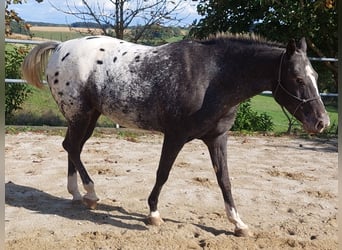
x=242 y=232
x=90 y=203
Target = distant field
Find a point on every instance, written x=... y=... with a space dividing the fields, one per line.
x=56 y=33
x=63 y=33
x=62 y=29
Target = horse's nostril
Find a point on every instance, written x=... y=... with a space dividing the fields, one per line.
x=320 y=126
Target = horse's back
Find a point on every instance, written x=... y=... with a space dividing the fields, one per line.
x=77 y=59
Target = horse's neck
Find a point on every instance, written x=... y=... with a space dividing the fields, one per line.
x=260 y=72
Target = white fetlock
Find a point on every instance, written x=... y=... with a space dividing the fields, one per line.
x=73 y=188
x=76 y=196
x=241 y=229
x=90 y=199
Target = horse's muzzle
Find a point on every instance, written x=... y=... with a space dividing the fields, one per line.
x=318 y=125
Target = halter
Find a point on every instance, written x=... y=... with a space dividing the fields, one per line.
x=301 y=101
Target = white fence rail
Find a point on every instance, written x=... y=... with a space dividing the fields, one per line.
x=323 y=59
x=17 y=41
x=7 y=40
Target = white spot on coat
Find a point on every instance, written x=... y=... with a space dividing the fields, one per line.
x=311 y=74
x=155 y=214
x=91 y=195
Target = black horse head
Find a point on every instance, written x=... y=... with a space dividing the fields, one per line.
x=297 y=89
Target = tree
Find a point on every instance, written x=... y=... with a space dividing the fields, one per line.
x=316 y=20
x=12 y=16
x=123 y=12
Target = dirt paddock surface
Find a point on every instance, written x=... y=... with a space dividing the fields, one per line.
x=285 y=189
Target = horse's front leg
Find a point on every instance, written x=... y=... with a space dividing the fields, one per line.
x=171 y=147
x=217 y=146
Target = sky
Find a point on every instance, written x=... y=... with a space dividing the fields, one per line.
x=45 y=12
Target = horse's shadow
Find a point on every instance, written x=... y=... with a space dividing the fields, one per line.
x=314 y=144
x=213 y=230
x=44 y=203
x=40 y=202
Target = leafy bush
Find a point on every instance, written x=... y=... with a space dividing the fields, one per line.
x=249 y=120
x=15 y=93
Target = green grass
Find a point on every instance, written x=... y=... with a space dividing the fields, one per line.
x=67 y=35
x=174 y=39
x=41 y=109
x=267 y=104
x=57 y=35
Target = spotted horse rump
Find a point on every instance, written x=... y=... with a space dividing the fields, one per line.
x=186 y=90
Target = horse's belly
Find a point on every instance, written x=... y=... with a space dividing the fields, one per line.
x=133 y=118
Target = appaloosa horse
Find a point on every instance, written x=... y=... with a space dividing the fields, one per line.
x=186 y=90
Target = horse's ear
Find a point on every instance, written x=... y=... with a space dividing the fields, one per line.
x=291 y=47
x=302 y=44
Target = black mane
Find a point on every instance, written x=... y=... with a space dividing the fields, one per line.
x=242 y=38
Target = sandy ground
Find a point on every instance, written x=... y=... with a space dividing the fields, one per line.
x=285 y=189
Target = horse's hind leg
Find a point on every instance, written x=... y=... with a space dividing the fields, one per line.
x=79 y=131
x=217 y=146
x=72 y=180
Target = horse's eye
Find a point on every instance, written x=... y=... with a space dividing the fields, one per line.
x=300 y=81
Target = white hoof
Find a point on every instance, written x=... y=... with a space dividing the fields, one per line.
x=242 y=232
x=154 y=219
x=92 y=204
